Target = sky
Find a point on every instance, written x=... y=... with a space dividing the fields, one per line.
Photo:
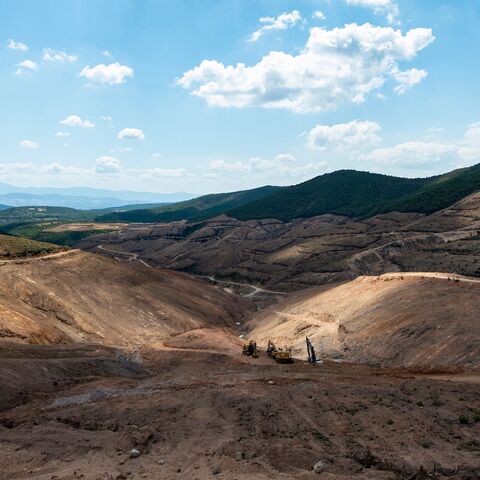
x=207 y=96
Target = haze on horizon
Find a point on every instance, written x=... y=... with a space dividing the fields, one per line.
x=232 y=94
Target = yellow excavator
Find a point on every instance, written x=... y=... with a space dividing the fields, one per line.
x=250 y=349
x=280 y=355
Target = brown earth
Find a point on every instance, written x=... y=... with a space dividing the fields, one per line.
x=201 y=414
x=76 y=297
x=307 y=252
x=99 y=356
x=397 y=320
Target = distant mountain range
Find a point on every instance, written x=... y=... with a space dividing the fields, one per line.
x=346 y=192
x=83 y=198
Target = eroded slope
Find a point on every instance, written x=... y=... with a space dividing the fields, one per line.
x=400 y=320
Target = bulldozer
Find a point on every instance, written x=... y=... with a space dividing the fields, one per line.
x=280 y=355
x=250 y=349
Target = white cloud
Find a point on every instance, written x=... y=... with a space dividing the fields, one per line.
x=13 y=45
x=469 y=147
x=380 y=7
x=28 y=144
x=165 y=172
x=282 y=165
x=50 y=55
x=344 y=136
x=157 y=155
x=112 y=74
x=27 y=67
x=282 y=22
x=413 y=154
x=408 y=79
x=229 y=167
x=62 y=134
x=106 y=53
x=459 y=152
x=318 y=15
x=107 y=118
x=133 y=133
x=109 y=165
x=76 y=121
x=342 y=65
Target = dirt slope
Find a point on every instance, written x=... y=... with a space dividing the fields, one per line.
x=401 y=320
x=80 y=297
x=306 y=252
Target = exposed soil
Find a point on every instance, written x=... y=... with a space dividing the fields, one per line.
x=197 y=413
x=396 y=320
x=306 y=252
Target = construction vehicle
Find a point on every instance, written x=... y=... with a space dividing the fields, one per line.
x=250 y=349
x=280 y=355
x=312 y=358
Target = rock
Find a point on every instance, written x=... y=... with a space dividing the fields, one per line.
x=271 y=382
x=319 y=467
x=216 y=470
x=134 y=453
x=161 y=461
x=239 y=456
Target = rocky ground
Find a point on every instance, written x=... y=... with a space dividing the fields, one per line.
x=305 y=252
x=209 y=412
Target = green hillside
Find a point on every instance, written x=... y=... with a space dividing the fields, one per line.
x=199 y=208
x=345 y=192
x=362 y=194
x=441 y=192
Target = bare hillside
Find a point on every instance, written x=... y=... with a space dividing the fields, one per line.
x=306 y=252
x=79 y=297
x=397 y=320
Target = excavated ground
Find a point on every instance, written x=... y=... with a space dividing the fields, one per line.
x=206 y=412
x=306 y=252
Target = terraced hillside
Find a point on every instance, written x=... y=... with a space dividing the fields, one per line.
x=306 y=252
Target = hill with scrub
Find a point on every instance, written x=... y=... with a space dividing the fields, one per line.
x=362 y=194
x=200 y=208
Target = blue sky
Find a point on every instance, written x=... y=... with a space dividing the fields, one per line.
x=216 y=95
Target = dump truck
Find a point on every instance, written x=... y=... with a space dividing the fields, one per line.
x=280 y=355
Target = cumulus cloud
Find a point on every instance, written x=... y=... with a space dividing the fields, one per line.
x=132 y=133
x=380 y=7
x=282 y=22
x=13 y=45
x=112 y=74
x=342 y=65
x=408 y=79
x=413 y=153
x=62 y=134
x=76 y=121
x=109 y=165
x=464 y=151
x=28 y=144
x=50 y=55
x=27 y=67
x=282 y=165
x=344 y=136
x=107 y=53
x=469 y=147
x=318 y=15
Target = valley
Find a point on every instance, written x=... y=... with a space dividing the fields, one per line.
x=121 y=358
